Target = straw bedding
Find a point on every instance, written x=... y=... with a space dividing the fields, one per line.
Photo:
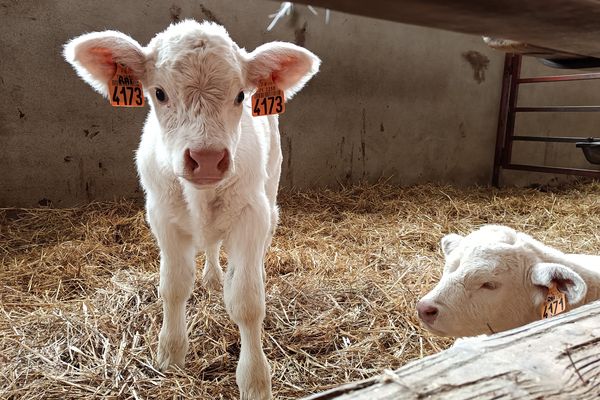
x=79 y=312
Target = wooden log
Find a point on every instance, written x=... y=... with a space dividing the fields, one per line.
x=556 y=358
x=566 y=26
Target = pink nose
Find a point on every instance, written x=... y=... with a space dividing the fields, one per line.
x=427 y=311
x=206 y=166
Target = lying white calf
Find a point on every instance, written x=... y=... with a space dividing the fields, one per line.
x=209 y=169
x=497 y=279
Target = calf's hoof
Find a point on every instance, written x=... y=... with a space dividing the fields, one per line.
x=254 y=378
x=171 y=351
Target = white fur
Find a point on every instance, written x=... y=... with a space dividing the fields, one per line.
x=496 y=279
x=202 y=70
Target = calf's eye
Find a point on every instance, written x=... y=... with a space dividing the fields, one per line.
x=161 y=96
x=490 y=285
x=239 y=98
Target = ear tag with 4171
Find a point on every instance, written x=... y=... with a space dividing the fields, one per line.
x=554 y=304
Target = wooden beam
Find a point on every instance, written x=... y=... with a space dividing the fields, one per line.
x=566 y=26
x=557 y=358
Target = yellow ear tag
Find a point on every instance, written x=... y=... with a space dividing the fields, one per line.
x=555 y=303
x=268 y=99
x=125 y=89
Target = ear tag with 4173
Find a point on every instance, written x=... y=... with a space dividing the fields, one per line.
x=268 y=99
x=124 y=89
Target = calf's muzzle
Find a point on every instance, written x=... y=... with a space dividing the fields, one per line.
x=205 y=167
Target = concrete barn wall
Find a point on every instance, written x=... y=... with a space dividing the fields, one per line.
x=391 y=101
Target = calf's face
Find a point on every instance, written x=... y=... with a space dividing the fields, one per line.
x=196 y=89
x=196 y=80
x=493 y=280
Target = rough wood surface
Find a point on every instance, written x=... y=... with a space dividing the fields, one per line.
x=557 y=358
x=512 y=46
x=568 y=26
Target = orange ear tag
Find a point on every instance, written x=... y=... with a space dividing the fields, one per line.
x=125 y=89
x=268 y=99
x=555 y=303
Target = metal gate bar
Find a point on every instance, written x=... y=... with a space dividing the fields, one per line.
x=505 y=135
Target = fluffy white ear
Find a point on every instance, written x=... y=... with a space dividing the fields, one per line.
x=450 y=242
x=95 y=56
x=568 y=281
x=289 y=66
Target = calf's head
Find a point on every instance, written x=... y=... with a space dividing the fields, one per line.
x=495 y=279
x=196 y=80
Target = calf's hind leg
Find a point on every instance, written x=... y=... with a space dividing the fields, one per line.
x=212 y=276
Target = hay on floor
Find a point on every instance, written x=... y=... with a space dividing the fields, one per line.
x=79 y=313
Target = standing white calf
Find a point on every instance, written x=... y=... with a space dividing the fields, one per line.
x=209 y=169
x=497 y=279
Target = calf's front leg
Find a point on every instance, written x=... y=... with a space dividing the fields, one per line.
x=177 y=270
x=244 y=294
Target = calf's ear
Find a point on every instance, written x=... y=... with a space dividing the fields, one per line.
x=568 y=281
x=95 y=56
x=450 y=242
x=288 y=65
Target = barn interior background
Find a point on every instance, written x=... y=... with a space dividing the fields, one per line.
x=391 y=101
x=393 y=106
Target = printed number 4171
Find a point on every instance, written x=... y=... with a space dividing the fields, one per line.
x=553 y=308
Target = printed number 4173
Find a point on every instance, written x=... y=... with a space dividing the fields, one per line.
x=265 y=105
x=127 y=94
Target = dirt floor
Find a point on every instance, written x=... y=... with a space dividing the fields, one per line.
x=79 y=313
